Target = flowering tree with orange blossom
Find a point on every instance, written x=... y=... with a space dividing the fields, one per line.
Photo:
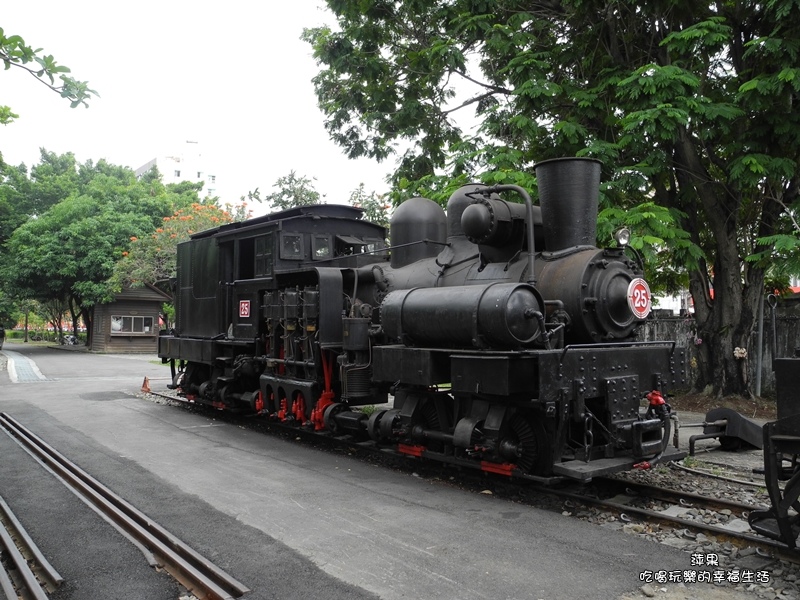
x=151 y=259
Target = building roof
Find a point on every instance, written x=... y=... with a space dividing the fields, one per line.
x=146 y=292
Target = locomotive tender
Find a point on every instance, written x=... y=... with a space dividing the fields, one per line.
x=503 y=334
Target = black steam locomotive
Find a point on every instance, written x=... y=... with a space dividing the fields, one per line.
x=503 y=335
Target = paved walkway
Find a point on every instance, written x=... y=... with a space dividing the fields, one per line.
x=22 y=369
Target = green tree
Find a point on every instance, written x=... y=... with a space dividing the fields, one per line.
x=14 y=52
x=691 y=108
x=151 y=259
x=15 y=191
x=24 y=195
x=292 y=190
x=8 y=312
x=52 y=179
x=67 y=252
x=376 y=207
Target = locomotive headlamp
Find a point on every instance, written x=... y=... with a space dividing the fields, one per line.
x=623 y=237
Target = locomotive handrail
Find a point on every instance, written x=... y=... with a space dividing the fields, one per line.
x=376 y=251
x=566 y=349
x=528 y=217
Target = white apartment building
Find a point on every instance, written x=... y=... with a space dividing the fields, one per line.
x=188 y=165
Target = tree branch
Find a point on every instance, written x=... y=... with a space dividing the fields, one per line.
x=33 y=73
x=472 y=100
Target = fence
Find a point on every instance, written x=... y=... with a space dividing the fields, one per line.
x=784 y=328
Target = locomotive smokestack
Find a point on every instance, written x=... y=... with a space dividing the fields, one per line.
x=569 y=190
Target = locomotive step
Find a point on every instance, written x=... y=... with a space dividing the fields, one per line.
x=584 y=471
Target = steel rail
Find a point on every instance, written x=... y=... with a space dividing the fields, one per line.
x=14 y=530
x=751 y=538
x=195 y=572
x=26 y=574
x=675 y=496
x=765 y=544
x=7 y=586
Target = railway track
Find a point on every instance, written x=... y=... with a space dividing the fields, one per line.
x=629 y=501
x=26 y=572
x=677 y=510
x=197 y=574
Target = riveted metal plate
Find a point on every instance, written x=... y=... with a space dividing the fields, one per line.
x=623 y=397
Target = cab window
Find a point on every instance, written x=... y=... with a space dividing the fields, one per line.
x=292 y=246
x=321 y=247
x=263 y=255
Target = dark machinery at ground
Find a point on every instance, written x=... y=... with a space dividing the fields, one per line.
x=782 y=459
x=504 y=336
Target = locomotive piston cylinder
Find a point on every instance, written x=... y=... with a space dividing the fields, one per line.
x=504 y=315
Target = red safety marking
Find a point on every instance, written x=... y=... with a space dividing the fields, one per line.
x=410 y=450
x=326 y=397
x=318 y=413
x=259 y=402
x=282 y=412
x=500 y=469
x=299 y=409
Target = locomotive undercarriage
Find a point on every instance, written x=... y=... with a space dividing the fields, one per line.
x=498 y=437
x=490 y=411
x=226 y=383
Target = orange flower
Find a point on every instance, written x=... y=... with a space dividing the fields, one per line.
x=124 y=254
x=134 y=238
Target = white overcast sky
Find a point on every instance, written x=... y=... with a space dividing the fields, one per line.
x=233 y=76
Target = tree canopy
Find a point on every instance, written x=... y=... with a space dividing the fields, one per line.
x=293 y=190
x=691 y=107
x=375 y=206
x=69 y=224
x=152 y=258
x=290 y=190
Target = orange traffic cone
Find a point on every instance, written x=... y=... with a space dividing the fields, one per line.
x=146 y=385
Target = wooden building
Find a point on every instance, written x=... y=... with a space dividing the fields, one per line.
x=130 y=323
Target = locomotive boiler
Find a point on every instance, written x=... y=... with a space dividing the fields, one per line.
x=495 y=335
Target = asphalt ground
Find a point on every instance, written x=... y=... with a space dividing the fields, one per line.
x=287 y=520
x=92 y=557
